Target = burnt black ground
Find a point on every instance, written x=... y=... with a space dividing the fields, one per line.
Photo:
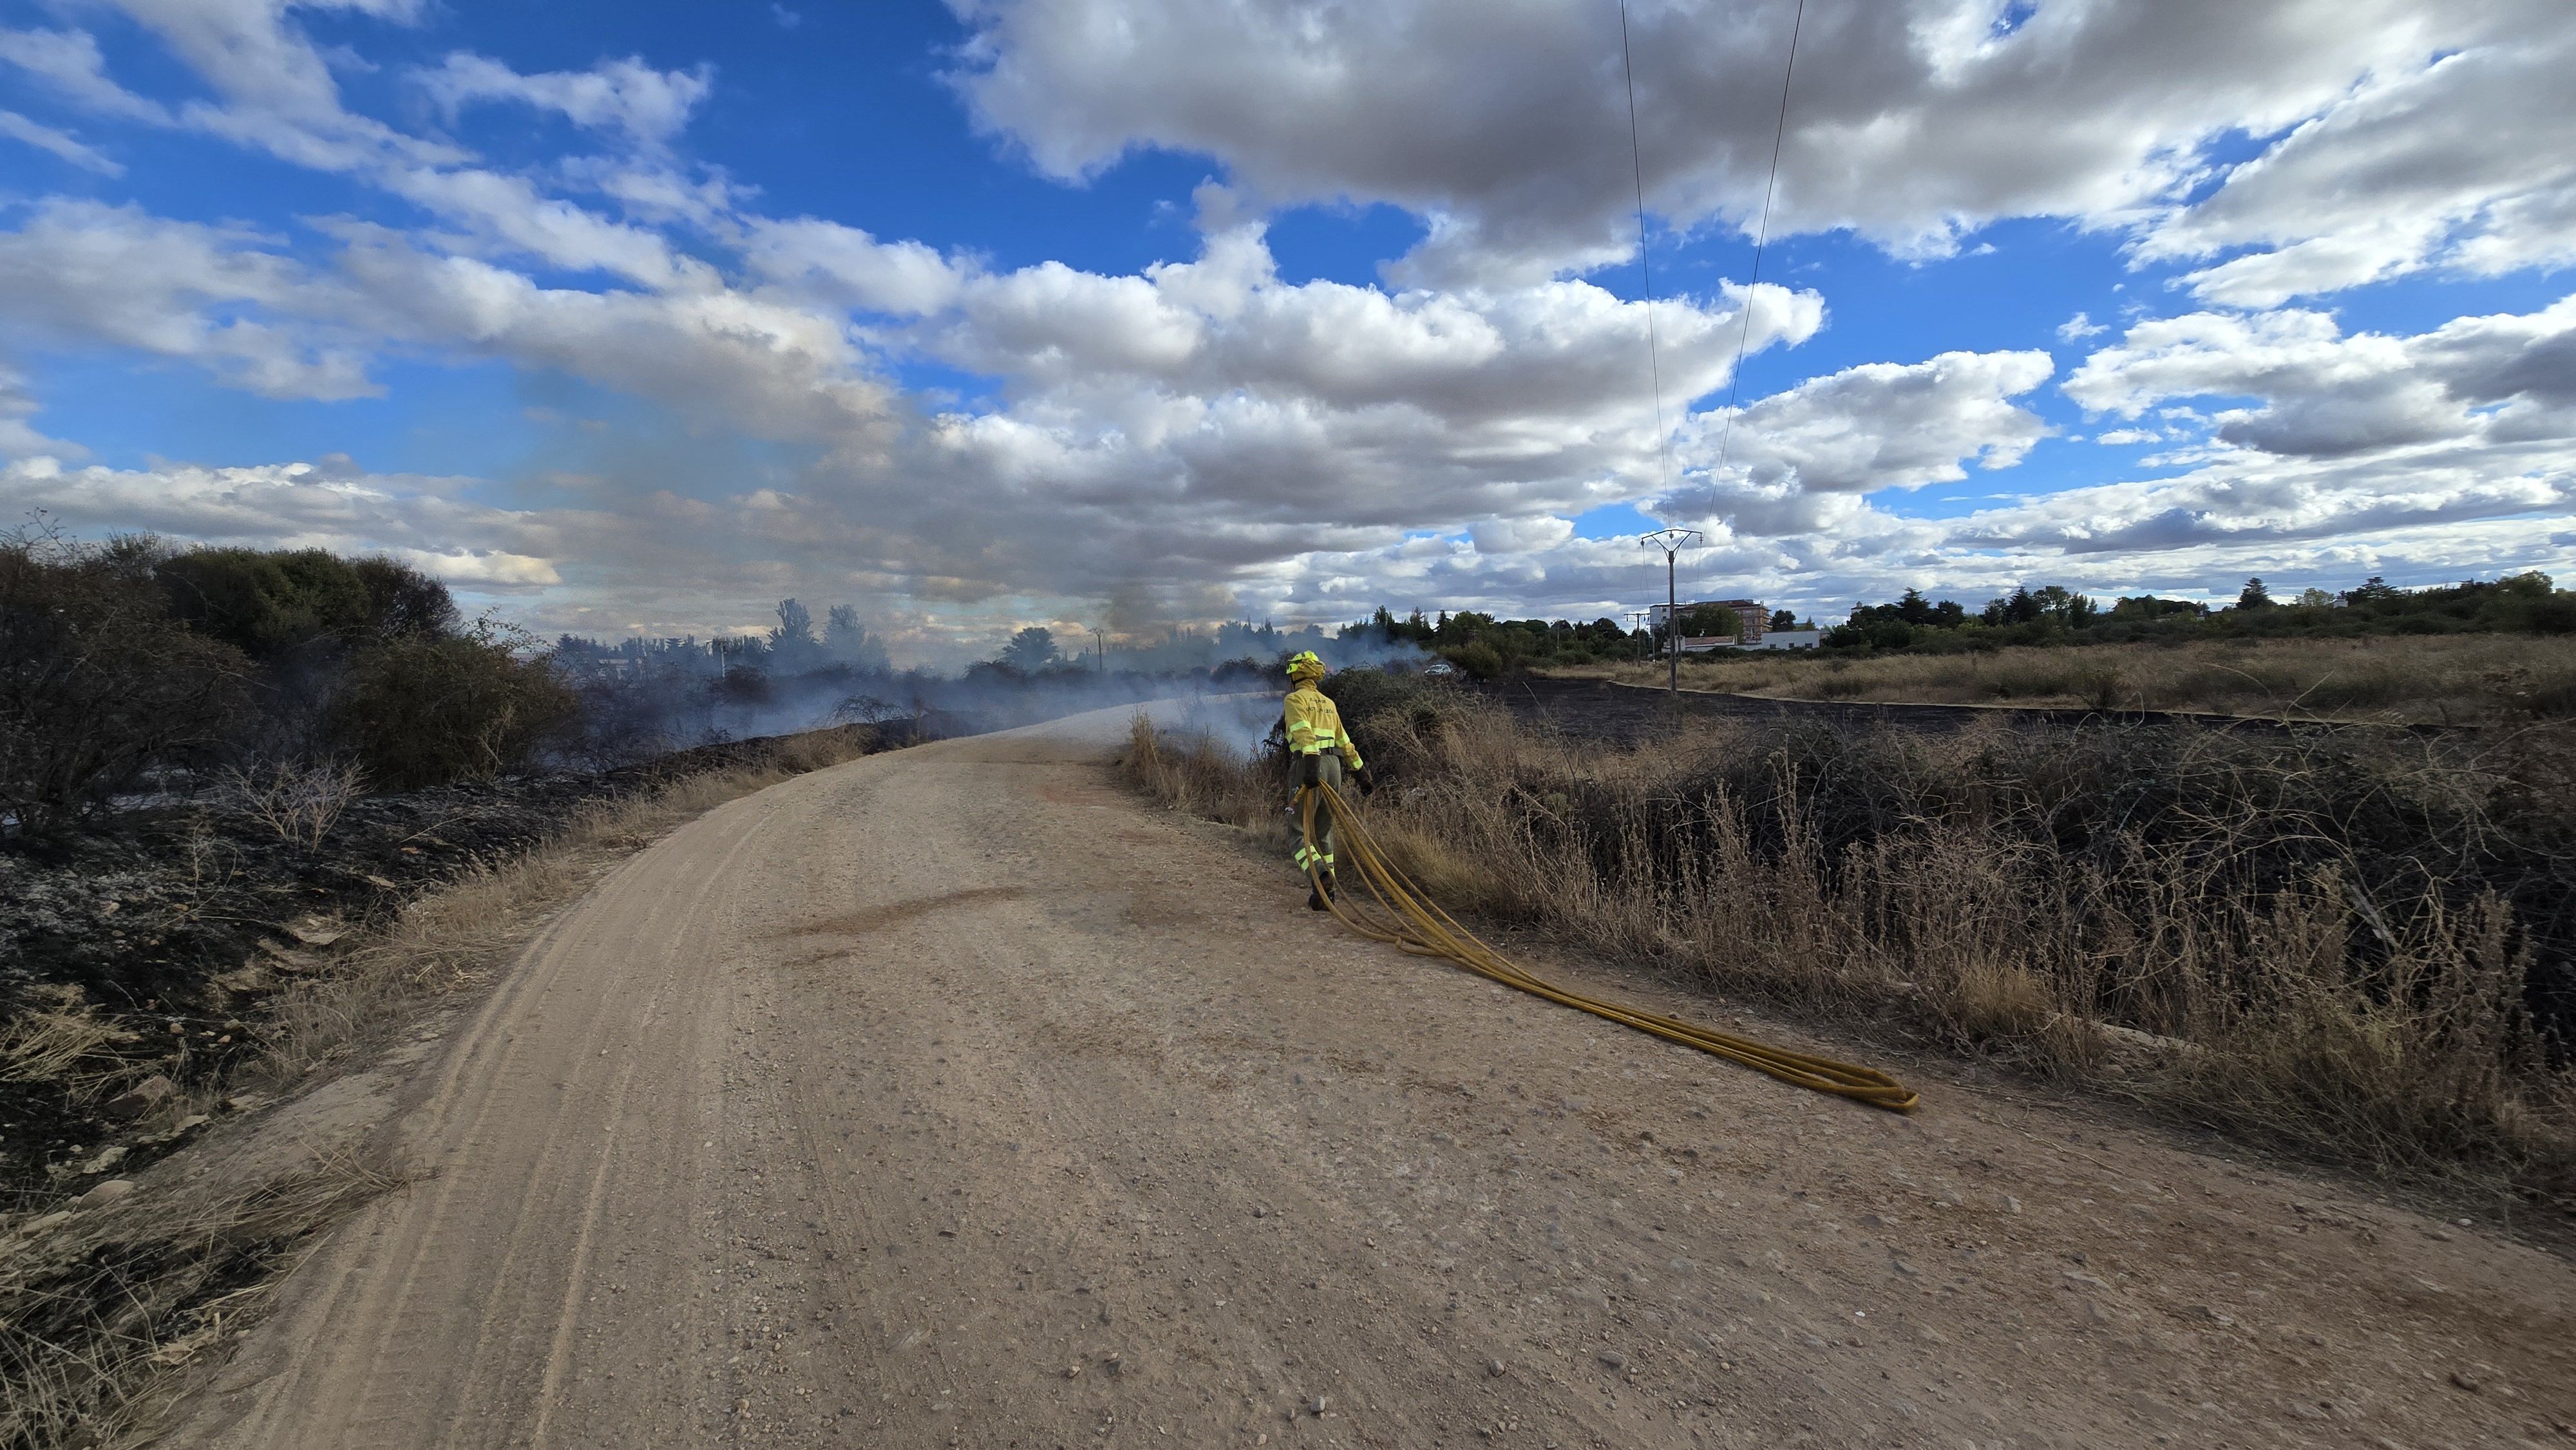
x=142 y=914
x=1624 y=715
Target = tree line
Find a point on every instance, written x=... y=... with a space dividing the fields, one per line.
x=2528 y=603
x=1485 y=646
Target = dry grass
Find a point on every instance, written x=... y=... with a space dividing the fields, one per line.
x=61 y=1043
x=97 y=1302
x=2419 y=679
x=2206 y=925
x=97 y=1306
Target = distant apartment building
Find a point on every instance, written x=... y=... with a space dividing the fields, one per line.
x=1757 y=632
x=1789 y=639
x=1756 y=622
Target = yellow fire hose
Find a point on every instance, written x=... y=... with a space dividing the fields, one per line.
x=1412 y=921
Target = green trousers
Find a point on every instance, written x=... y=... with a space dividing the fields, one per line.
x=1322 y=859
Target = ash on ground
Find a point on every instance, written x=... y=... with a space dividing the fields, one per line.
x=149 y=942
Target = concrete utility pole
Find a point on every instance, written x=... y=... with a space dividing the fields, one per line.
x=1672 y=542
x=1636 y=621
x=1099 y=647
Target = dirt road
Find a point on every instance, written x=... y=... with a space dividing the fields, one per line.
x=953 y=1097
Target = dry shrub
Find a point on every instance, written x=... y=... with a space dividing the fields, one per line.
x=425 y=709
x=821 y=749
x=2327 y=943
x=299 y=800
x=1197 y=770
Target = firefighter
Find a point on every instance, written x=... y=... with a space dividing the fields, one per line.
x=1319 y=751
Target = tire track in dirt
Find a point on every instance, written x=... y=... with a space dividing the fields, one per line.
x=954 y=1097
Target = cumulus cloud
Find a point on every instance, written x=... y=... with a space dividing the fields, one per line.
x=274 y=87
x=82 y=272
x=1224 y=321
x=2336 y=439
x=488 y=571
x=2258 y=501
x=648 y=106
x=509 y=216
x=327 y=504
x=2468 y=160
x=1203 y=434
x=1800 y=460
x=717 y=355
x=1520 y=536
x=2079 y=327
x=2325 y=394
x=2397 y=136
x=845 y=267
x=2322 y=456
x=1507 y=126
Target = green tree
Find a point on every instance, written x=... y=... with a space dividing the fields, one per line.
x=1712 y=621
x=270 y=604
x=402 y=600
x=2254 y=595
x=1478 y=658
x=423 y=710
x=1030 y=650
x=848 y=641
x=792 y=646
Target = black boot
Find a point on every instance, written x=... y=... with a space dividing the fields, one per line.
x=1332 y=886
x=1315 y=901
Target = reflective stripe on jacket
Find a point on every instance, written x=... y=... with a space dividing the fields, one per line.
x=1314 y=726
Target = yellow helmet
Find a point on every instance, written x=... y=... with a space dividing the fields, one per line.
x=1303 y=665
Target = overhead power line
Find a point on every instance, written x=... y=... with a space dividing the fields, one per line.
x=1645 y=268
x=1744 y=334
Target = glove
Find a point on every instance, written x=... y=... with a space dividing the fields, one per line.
x=1310 y=770
x=1368 y=781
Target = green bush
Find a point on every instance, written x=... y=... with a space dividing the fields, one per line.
x=423 y=709
x=1479 y=659
x=97 y=682
x=402 y=600
x=271 y=604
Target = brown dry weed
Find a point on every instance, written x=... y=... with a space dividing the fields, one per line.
x=2389 y=1037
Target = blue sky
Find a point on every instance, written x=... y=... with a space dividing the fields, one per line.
x=636 y=318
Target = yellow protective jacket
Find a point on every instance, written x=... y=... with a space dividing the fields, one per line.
x=1314 y=726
